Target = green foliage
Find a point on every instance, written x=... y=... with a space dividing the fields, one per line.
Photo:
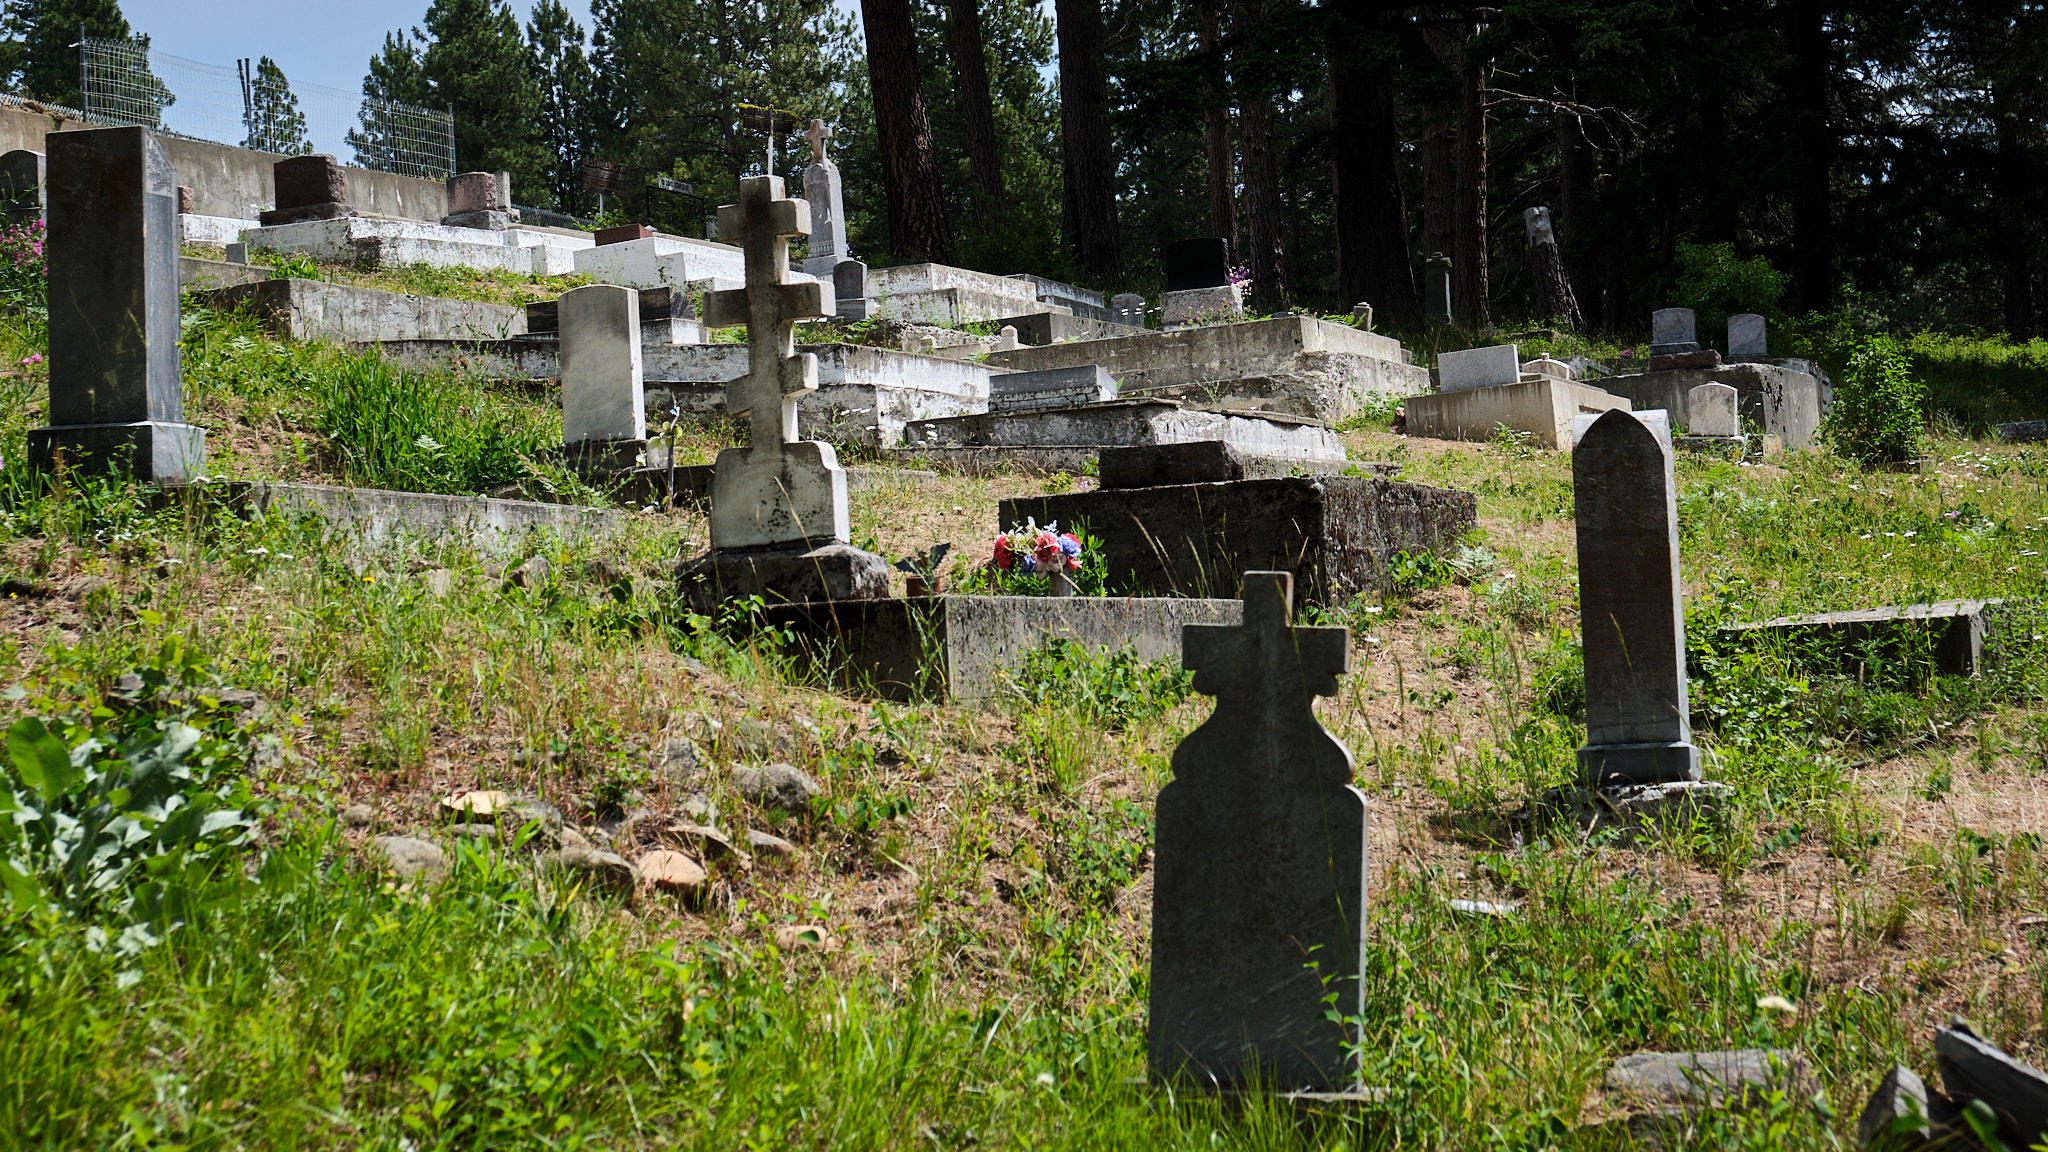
x=475 y=62
x=25 y=276
x=41 y=46
x=139 y=810
x=1107 y=688
x=1980 y=380
x=290 y=265
x=272 y=115
x=1716 y=283
x=1878 y=412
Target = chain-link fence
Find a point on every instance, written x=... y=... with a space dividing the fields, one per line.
x=257 y=107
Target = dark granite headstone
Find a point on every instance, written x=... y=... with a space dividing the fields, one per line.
x=305 y=188
x=116 y=396
x=21 y=185
x=621 y=234
x=1203 y=262
x=1258 y=893
x=1631 y=607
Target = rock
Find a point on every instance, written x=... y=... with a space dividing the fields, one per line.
x=705 y=836
x=808 y=937
x=672 y=871
x=770 y=845
x=752 y=737
x=1974 y=1070
x=1485 y=908
x=547 y=816
x=531 y=574
x=239 y=700
x=693 y=666
x=440 y=581
x=781 y=786
x=1704 y=1077
x=474 y=831
x=598 y=868
x=680 y=763
x=487 y=803
x=571 y=838
x=700 y=808
x=358 y=816
x=413 y=858
x=1900 y=1096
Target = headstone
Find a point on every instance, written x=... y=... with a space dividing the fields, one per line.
x=1127 y=308
x=621 y=234
x=116 y=393
x=21 y=185
x=1006 y=338
x=480 y=200
x=1491 y=367
x=1050 y=388
x=850 y=289
x=1671 y=332
x=1201 y=306
x=236 y=253
x=604 y=417
x=1656 y=420
x=1710 y=411
x=1203 y=262
x=1631 y=606
x=1545 y=366
x=1974 y=1070
x=822 y=190
x=1436 y=290
x=778 y=491
x=1748 y=337
x=310 y=187
x=187 y=200
x=1258 y=896
x=1361 y=315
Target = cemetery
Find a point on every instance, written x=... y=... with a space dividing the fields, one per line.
x=503 y=658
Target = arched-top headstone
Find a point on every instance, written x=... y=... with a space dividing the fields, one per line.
x=1710 y=410
x=602 y=400
x=1258 y=897
x=1631 y=606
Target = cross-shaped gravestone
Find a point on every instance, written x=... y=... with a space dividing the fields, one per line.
x=819 y=133
x=778 y=490
x=1258 y=898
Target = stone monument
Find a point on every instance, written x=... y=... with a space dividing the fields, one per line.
x=307 y=188
x=116 y=390
x=1748 y=337
x=21 y=185
x=480 y=200
x=604 y=414
x=1710 y=411
x=1259 y=898
x=1494 y=366
x=1672 y=332
x=1436 y=290
x=1127 y=308
x=1631 y=608
x=1198 y=286
x=828 y=258
x=778 y=506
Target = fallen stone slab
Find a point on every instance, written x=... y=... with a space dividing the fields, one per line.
x=300 y=309
x=1951 y=632
x=1543 y=408
x=1972 y=1069
x=1213 y=462
x=1117 y=423
x=966 y=647
x=1897 y=1114
x=1334 y=533
x=1706 y=1078
x=379 y=515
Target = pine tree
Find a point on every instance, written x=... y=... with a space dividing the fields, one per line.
x=271 y=113
x=395 y=78
x=39 y=56
x=476 y=63
x=563 y=73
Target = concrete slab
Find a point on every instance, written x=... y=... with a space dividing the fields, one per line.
x=661 y=260
x=1784 y=402
x=965 y=647
x=381 y=242
x=380 y=516
x=1118 y=423
x=954 y=306
x=1050 y=388
x=317 y=310
x=211 y=231
x=1297 y=365
x=1951 y=632
x=1041 y=328
x=1543 y=408
x=196 y=273
x=1335 y=533
x=1082 y=302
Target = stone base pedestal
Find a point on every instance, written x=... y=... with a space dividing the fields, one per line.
x=1201 y=305
x=1633 y=811
x=604 y=457
x=784 y=574
x=1603 y=765
x=303 y=213
x=490 y=220
x=1712 y=445
x=768 y=500
x=148 y=450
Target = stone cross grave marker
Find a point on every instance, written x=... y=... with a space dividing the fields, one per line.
x=117 y=395
x=1710 y=411
x=1631 y=607
x=1748 y=337
x=1672 y=332
x=818 y=133
x=1259 y=899
x=603 y=407
x=827 y=198
x=778 y=490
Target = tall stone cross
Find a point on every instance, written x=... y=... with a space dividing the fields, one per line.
x=778 y=490
x=819 y=133
x=1258 y=898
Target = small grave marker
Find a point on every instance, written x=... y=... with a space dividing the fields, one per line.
x=1672 y=332
x=1492 y=367
x=603 y=408
x=1710 y=411
x=1259 y=899
x=21 y=185
x=1748 y=337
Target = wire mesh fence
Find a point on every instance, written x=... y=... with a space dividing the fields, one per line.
x=258 y=107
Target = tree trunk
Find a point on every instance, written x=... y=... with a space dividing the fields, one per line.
x=1555 y=300
x=1469 y=227
x=1439 y=182
x=1373 y=260
x=1216 y=126
x=1263 y=222
x=1813 y=238
x=1574 y=191
x=910 y=171
x=1088 y=209
x=977 y=111
x=2010 y=185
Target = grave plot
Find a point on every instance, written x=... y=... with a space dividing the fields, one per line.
x=1780 y=398
x=1482 y=390
x=1188 y=537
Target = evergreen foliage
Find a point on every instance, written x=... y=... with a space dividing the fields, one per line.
x=476 y=63
x=39 y=55
x=562 y=71
x=272 y=114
